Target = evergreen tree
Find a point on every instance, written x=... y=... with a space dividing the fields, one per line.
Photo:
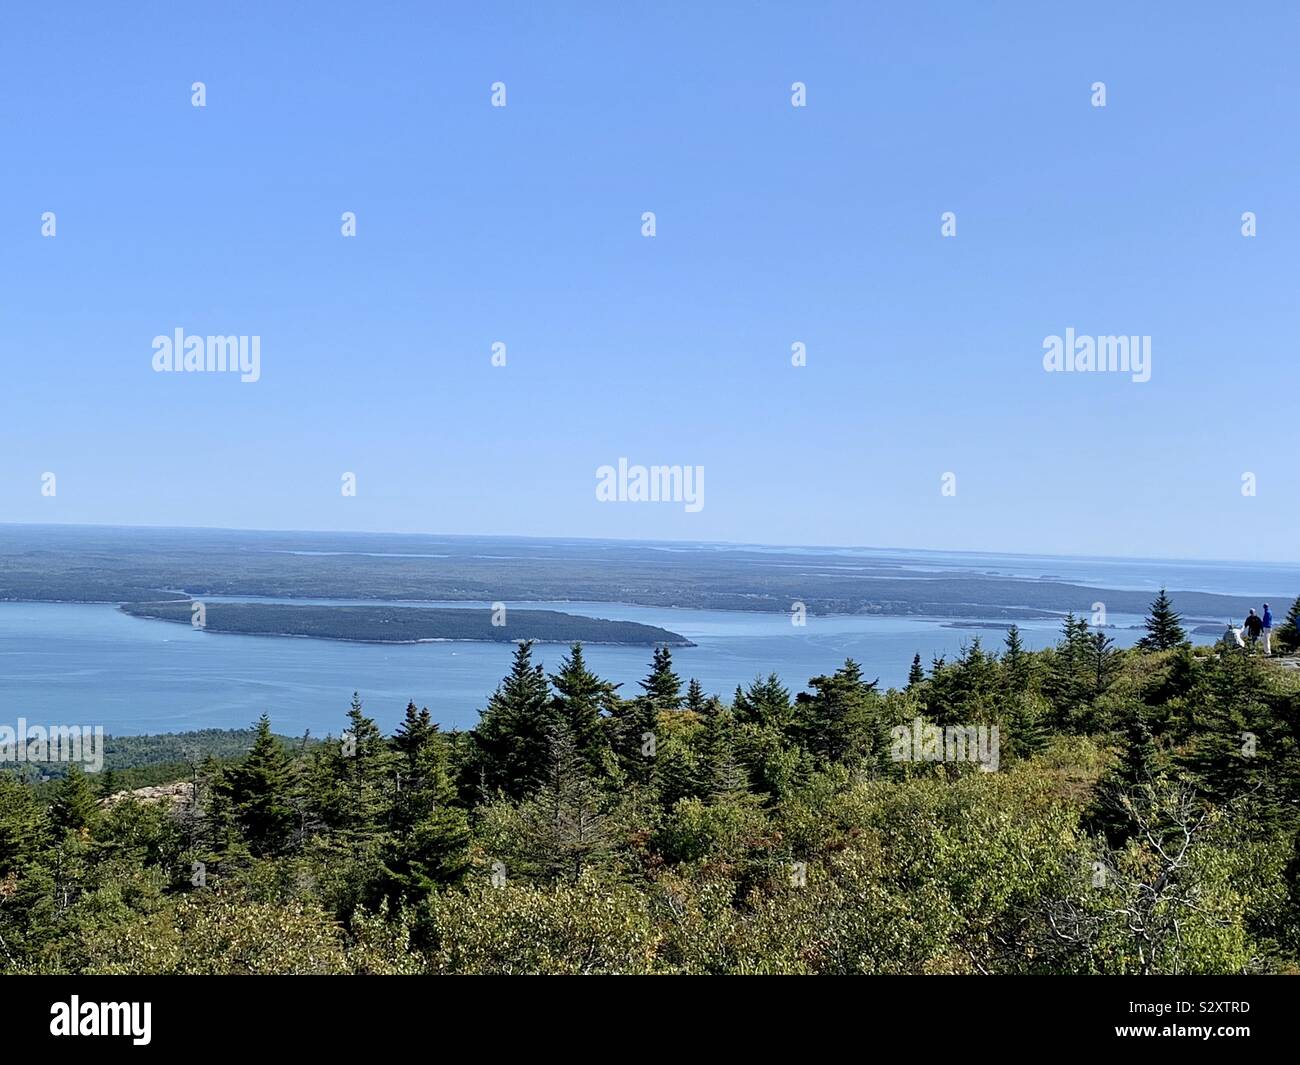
x=107 y=784
x=765 y=702
x=367 y=773
x=663 y=688
x=1102 y=661
x=429 y=845
x=564 y=826
x=412 y=734
x=413 y=739
x=837 y=722
x=580 y=698
x=1074 y=635
x=1069 y=681
x=1234 y=740
x=74 y=807
x=915 y=675
x=1140 y=763
x=695 y=696
x=1015 y=662
x=722 y=776
x=23 y=826
x=1138 y=775
x=512 y=740
x=762 y=731
x=1163 y=625
x=210 y=830
x=434 y=855
x=1023 y=732
x=351 y=783
x=1287 y=635
x=634 y=737
x=966 y=691
x=634 y=723
x=259 y=790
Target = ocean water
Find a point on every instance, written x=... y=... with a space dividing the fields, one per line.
x=90 y=664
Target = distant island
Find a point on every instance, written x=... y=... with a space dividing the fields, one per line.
x=385 y=624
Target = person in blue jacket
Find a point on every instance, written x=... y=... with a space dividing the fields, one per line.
x=1268 y=630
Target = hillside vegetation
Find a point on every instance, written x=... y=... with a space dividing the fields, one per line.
x=1137 y=813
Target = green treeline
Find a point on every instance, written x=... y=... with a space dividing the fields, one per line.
x=1141 y=816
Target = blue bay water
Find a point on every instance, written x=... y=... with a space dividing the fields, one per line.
x=92 y=664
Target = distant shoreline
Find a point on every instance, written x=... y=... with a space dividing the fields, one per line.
x=87 y=565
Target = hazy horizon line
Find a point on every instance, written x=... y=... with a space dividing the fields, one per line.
x=738 y=544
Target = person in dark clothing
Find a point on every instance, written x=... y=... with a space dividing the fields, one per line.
x=1253 y=626
x=1267 y=622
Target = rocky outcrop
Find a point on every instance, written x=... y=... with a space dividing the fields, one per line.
x=176 y=795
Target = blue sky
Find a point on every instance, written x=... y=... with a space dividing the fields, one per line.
x=774 y=225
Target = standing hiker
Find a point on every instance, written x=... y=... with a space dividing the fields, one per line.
x=1267 y=624
x=1253 y=626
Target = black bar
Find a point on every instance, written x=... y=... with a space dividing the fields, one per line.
x=1063 y=1014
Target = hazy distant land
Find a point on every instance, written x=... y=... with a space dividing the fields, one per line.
x=105 y=564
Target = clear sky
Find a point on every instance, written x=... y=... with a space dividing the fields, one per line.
x=775 y=224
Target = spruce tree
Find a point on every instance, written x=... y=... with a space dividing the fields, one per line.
x=1234 y=740
x=512 y=740
x=1015 y=661
x=580 y=699
x=1102 y=661
x=412 y=739
x=74 y=807
x=1069 y=681
x=429 y=844
x=722 y=776
x=1287 y=636
x=1024 y=733
x=663 y=688
x=915 y=675
x=107 y=786
x=1163 y=625
x=23 y=826
x=1139 y=773
x=634 y=723
x=766 y=702
x=967 y=691
x=634 y=736
x=695 y=696
x=259 y=792
x=367 y=773
x=564 y=827
x=838 y=721
x=435 y=854
x=413 y=733
x=209 y=827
